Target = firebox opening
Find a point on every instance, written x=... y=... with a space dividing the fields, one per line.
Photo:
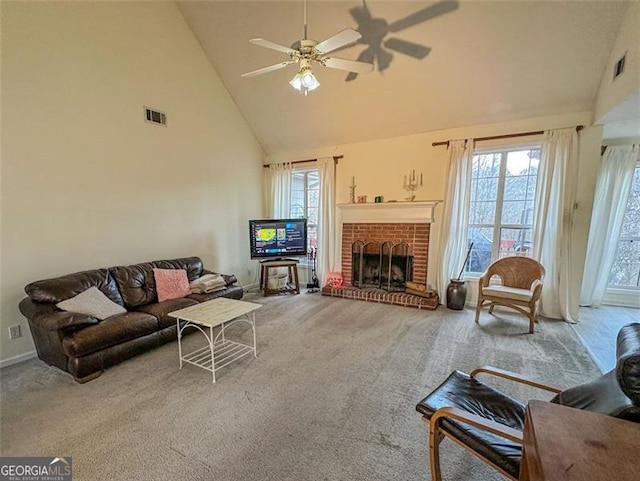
x=381 y=265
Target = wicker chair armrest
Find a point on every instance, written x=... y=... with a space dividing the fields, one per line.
x=483 y=281
x=536 y=287
x=512 y=376
x=477 y=421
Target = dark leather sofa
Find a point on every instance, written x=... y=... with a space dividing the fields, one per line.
x=83 y=345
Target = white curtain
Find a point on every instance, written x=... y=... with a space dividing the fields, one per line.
x=278 y=190
x=555 y=199
x=327 y=229
x=612 y=193
x=455 y=216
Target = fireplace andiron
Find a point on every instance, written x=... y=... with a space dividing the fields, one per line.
x=314 y=285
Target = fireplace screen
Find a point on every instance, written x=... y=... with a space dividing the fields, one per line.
x=381 y=265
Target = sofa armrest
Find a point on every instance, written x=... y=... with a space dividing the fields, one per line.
x=229 y=279
x=48 y=316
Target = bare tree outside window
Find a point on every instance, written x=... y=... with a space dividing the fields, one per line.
x=305 y=197
x=503 y=189
x=625 y=273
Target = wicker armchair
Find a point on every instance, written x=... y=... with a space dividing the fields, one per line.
x=520 y=288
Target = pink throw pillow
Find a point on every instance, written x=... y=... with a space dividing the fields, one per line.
x=171 y=284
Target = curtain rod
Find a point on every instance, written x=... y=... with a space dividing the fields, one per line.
x=335 y=159
x=506 y=136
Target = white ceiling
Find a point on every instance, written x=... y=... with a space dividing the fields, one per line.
x=489 y=62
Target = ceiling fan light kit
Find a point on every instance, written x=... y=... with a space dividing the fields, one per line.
x=306 y=51
x=304 y=81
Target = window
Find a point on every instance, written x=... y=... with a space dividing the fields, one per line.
x=625 y=273
x=305 y=194
x=503 y=189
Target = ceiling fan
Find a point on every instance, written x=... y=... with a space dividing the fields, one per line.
x=306 y=51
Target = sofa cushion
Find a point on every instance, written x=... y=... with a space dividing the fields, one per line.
x=136 y=283
x=65 y=287
x=161 y=309
x=171 y=284
x=193 y=266
x=92 y=302
x=111 y=331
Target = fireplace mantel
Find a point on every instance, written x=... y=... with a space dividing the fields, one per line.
x=389 y=212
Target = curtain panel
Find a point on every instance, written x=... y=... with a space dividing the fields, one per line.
x=277 y=190
x=455 y=217
x=609 y=205
x=327 y=228
x=555 y=200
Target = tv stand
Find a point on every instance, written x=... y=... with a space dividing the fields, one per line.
x=293 y=284
x=279 y=259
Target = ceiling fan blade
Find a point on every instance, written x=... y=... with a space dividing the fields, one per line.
x=348 y=65
x=420 y=16
x=408 y=48
x=273 y=46
x=270 y=68
x=340 y=39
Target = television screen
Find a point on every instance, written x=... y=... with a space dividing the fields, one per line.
x=278 y=237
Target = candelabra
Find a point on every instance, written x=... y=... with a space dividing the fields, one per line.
x=411 y=184
x=352 y=191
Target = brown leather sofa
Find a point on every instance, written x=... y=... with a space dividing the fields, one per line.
x=83 y=345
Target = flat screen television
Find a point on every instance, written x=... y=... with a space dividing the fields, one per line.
x=278 y=238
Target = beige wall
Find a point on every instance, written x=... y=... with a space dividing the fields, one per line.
x=379 y=167
x=86 y=182
x=612 y=92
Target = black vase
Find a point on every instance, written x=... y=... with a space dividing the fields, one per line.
x=456 y=295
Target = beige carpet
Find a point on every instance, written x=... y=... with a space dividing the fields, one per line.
x=331 y=397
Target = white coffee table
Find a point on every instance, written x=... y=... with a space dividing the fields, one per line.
x=219 y=351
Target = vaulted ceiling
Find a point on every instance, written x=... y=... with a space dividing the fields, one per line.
x=482 y=62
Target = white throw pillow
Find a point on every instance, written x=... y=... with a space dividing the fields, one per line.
x=92 y=302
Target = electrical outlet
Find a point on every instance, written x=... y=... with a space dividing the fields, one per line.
x=15 y=332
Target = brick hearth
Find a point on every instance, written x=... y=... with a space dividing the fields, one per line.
x=382 y=297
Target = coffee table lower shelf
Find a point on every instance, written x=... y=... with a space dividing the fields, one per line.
x=224 y=353
x=214 y=317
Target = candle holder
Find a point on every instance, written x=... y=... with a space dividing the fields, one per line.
x=411 y=184
x=352 y=191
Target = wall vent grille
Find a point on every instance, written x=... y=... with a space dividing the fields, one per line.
x=618 y=68
x=155 y=116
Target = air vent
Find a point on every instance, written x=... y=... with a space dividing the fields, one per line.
x=155 y=116
x=618 y=68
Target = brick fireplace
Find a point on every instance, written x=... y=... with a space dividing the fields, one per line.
x=389 y=224
x=415 y=235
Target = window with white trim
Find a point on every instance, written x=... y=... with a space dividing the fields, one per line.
x=503 y=189
x=625 y=273
x=305 y=196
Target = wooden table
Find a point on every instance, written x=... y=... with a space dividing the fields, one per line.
x=293 y=284
x=566 y=444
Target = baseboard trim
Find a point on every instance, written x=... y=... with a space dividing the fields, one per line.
x=17 y=359
x=622 y=298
